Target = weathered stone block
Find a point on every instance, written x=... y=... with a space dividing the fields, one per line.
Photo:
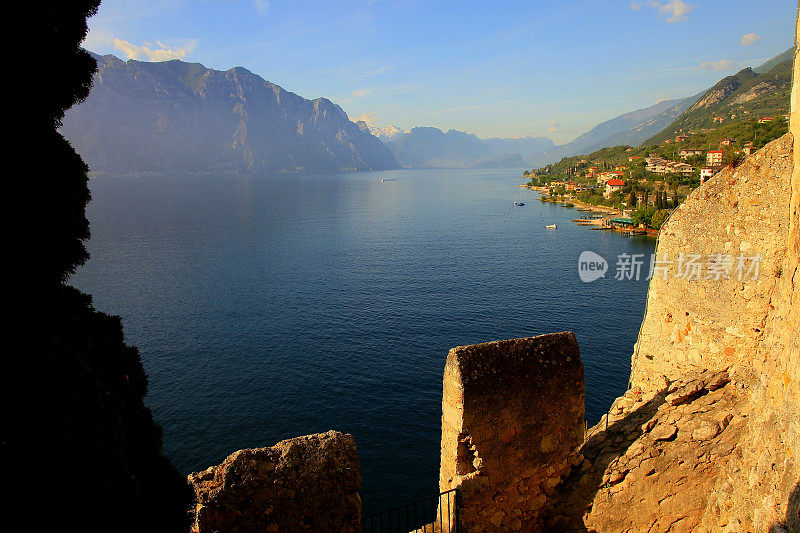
x=522 y=417
x=307 y=483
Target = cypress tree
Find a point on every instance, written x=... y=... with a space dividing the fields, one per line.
x=76 y=419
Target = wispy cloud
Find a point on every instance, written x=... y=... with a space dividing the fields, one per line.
x=370 y=117
x=673 y=10
x=261 y=6
x=636 y=6
x=722 y=64
x=378 y=91
x=749 y=39
x=148 y=52
x=555 y=126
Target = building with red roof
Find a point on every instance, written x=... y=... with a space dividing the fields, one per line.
x=613 y=186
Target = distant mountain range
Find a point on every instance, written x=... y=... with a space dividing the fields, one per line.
x=761 y=90
x=427 y=147
x=177 y=116
x=631 y=129
x=430 y=147
x=788 y=55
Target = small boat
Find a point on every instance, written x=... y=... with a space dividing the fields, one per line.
x=551 y=226
x=517 y=202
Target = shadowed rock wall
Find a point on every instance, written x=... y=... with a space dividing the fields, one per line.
x=307 y=483
x=512 y=416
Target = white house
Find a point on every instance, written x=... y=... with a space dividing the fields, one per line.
x=714 y=158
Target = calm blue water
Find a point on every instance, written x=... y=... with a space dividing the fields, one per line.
x=270 y=307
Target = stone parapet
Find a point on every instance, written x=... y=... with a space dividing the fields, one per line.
x=512 y=418
x=307 y=483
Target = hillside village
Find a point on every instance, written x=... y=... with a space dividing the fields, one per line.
x=644 y=184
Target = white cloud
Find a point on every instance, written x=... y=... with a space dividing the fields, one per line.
x=554 y=126
x=636 y=6
x=674 y=10
x=748 y=39
x=722 y=64
x=147 y=52
x=261 y=6
x=361 y=93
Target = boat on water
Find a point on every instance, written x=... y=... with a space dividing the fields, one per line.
x=518 y=203
x=551 y=226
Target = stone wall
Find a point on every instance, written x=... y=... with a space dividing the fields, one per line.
x=512 y=418
x=303 y=484
x=707 y=438
x=748 y=329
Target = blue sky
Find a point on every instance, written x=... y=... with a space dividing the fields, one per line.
x=493 y=68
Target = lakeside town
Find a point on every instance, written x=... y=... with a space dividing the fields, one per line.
x=634 y=190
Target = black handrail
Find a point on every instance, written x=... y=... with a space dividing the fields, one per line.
x=436 y=514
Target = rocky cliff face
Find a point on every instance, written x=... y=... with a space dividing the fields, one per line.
x=177 y=116
x=707 y=438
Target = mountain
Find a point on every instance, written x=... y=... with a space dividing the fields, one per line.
x=386 y=134
x=526 y=147
x=178 y=116
x=431 y=147
x=742 y=97
x=630 y=129
x=788 y=55
x=501 y=161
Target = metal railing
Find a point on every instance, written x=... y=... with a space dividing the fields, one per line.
x=437 y=514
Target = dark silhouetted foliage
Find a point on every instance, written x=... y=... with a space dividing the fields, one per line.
x=79 y=446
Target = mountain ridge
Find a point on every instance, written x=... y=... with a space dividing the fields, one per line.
x=749 y=94
x=631 y=128
x=430 y=147
x=177 y=116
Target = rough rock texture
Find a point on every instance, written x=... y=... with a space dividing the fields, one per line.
x=655 y=467
x=707 y=323
x=512 y=417
x=303 y=484
x=707 y=438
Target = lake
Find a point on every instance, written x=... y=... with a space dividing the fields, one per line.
x=267 y=307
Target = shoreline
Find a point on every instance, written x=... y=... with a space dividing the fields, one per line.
x=577 y=203
x=607 y=212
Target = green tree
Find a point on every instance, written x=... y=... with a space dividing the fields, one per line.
x=658 y=219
